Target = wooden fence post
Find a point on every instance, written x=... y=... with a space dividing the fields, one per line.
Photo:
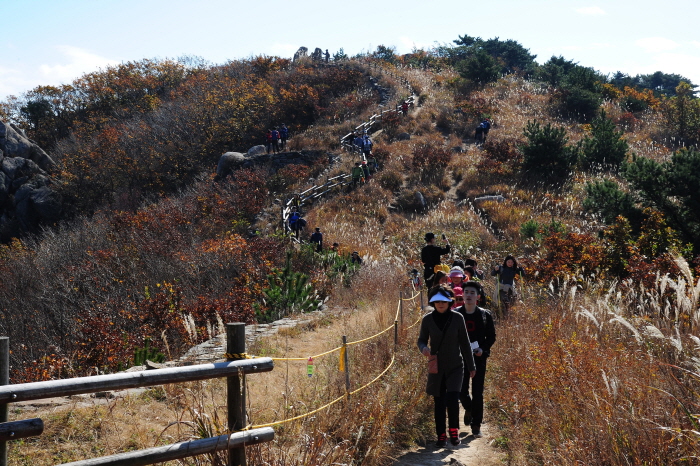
x=235 y=386
x=401 y=306
x=4 y=380
x=347 y=367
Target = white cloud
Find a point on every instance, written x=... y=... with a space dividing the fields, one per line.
x=76 y=62
x=656 y=44
x=695 y=43
x=591 y=11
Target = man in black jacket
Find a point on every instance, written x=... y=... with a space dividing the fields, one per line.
x=430 y=255
x=482 y=335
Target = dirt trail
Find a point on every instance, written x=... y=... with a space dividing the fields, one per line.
x=471 y=451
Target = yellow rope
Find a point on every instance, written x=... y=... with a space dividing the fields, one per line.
x=393 y=357
x=373 y=336
x=238 y=356
x=411 y=298
x=415 y=323
x=301 y=416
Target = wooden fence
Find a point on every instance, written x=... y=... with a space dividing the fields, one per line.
x=234 y=370
x=348 y=144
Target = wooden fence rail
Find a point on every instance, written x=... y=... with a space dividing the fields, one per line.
x=181 y=450
x=99 y=383
x=234 y=371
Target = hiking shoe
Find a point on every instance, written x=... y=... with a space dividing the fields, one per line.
x=441 y=441
x=477 y=434
x=454 y=437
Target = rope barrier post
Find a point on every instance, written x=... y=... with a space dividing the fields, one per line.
x=421 y=300
x=4 y=380
x=347 y=368
x=396 y=334
x=235 y=391
x=401 y=306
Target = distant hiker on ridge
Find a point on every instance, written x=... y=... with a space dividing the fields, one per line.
x=284 y=135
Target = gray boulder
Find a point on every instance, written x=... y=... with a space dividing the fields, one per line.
x=14 y=143
x=17 y=167
x=257 y=150
x=299 y=54
x=228 y=162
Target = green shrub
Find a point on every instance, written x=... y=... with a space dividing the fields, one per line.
x=287 y=292
x=606 y=147
x=530 y=229
x=147 y=353
x=546 y=151
x=609 y=201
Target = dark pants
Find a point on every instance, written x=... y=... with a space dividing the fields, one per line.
x=475 y=402
x=446 y=401
x=428 y=276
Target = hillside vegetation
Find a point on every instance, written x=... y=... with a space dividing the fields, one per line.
x=598 y=363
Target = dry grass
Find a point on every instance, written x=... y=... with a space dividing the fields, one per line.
x=596 y=381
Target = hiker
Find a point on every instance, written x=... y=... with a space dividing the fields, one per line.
x=415 y=279
x=372 y=163
x=335 y=248
x=505 y=290
x=457 y=277
x=327 y=56
x=448 y=354
x=275 y=138
x=478 y=273
x=482 y=335
x=317 y=238
x=296 y=222
x=366 y=145
x=268 y=140
x=355 y=258
x=459 y=298
x=441 y=278
x=284 y=135
x=471 y=275
x=365 y=170
x=430 y=256
x=404 y=108
x=357 y=174
x=296 y=203
x=482 y=130
x=358 y=142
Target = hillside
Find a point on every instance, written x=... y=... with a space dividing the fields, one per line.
x=597 y=361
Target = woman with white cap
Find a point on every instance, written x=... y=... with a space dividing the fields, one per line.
x=443 y=335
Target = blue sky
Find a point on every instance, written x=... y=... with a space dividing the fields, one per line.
x=49 y=42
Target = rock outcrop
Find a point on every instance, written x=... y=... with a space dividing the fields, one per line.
x=231 y=161
x=27 y=199
x=15 y=143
